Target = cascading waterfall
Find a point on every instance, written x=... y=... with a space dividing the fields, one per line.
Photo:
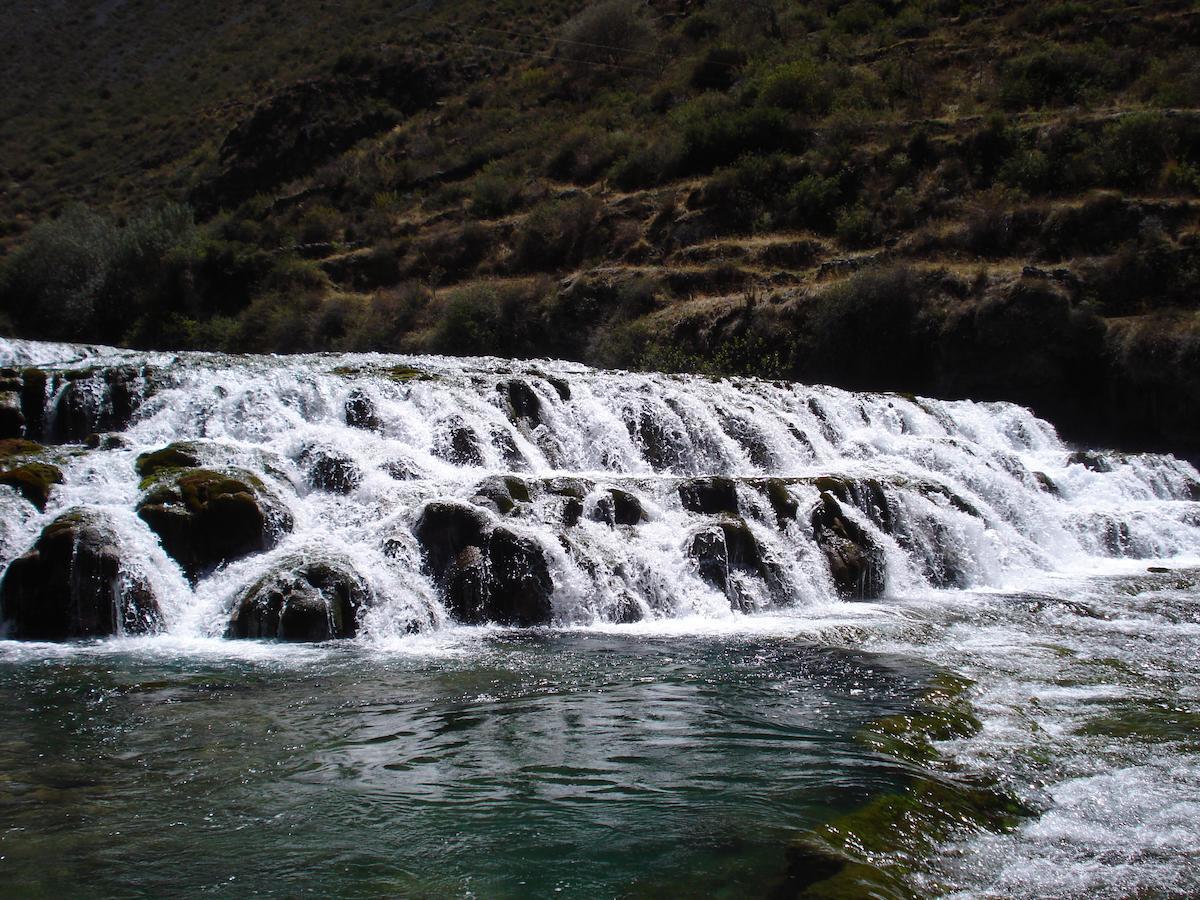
x=414 y=491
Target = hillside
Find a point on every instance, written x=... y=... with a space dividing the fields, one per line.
x=991 y=200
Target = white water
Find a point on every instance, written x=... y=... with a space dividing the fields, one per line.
x=1118 y=816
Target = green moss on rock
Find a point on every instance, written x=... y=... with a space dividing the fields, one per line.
x=34 y=481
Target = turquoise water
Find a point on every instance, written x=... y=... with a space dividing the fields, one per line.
x=495 y=764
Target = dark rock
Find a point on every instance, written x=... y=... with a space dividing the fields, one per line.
x=519 y=588
x=401 y=470
x=330 y=470
x=1090 y=460
x=315 y=602
x=458 y=444
x=484 y=575
x=360 y=412
x=856 y=561
x=502 y=493
x=572 y=511
x=657 y=443
x=561 y=387
x=33 y=401
x=1046 y=484
x=33 y=481
x=445 y=529
x=172 y=456
x=96 y=441
x=522 y=401
x=92 y=401
x=73 y=583
x=205 y=519
x=728 y=547
x=709 y=495
x=618 y=507
x=782 y=502
x=12 y=419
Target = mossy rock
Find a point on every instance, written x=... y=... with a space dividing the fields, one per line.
x=16 y=447
x=206 y=519
x=182 y=455
x=34 y=481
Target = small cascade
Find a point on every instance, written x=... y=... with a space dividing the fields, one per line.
x=372 y=496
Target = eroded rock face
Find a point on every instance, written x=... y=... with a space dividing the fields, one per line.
x=485 y=573
x=856 y=561
x=205 y=518
x=313 y=602
x=74 y=583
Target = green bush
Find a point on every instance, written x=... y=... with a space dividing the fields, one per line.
x=1029 y=170
x=813 y=200
x=555 y=233
x=858 y=227
x=802 y=85
x=491 y=320
x=715 y=132
x=604 y=34
x=493 y=194
x=1060 y=76
x=1133 y=150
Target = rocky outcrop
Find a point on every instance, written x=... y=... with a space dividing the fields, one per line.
x=457 y=443
x=309 y=602
x=205 y=518
x=360 y=411
x=856 y=561
x=312 y=121
x=485 y=573
x=74 y=583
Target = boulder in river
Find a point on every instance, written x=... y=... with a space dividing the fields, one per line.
x=727 y=548
x=206 y=518
x=856 y=561
x=618 y=507
x=360 y=411
x=74 y=583
x=311 y=602
x=331 y=470
x=485 y=573
x=33 y=480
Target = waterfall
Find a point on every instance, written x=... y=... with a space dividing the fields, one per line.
x=402 y=493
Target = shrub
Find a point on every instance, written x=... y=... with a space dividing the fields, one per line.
x=858 y=227
x=1029 y=170
x=858 y=17
x=492 y=320
x=493 y=195
x=604 y=33
x=1133 y=150
x=555 y=233
x=813 y=200
x=715 y=132
x=717 y=69
x=801 y=85
x=1059 y=76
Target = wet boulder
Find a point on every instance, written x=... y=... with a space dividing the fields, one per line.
x=1090 y=460
x=502 y=493
x=74 y=583
x=445 y=529
x=330 y=470
x=312 y=602
x=521 y=401
x=180 y=455
x=360 y=412
x=729 y=548
x=518 y=588
x=12 y=419
x=205 y=518
x=782 y=502
x=711 y=496
x=33 y=481
x=618 y=507
x=484 y=573
x=456 y=443
x=96 y=400
x=856 y=561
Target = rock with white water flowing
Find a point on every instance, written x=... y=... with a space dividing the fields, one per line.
x=481 y=490
x=76 y=582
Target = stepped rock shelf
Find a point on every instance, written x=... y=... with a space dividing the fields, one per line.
x=321 y=497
